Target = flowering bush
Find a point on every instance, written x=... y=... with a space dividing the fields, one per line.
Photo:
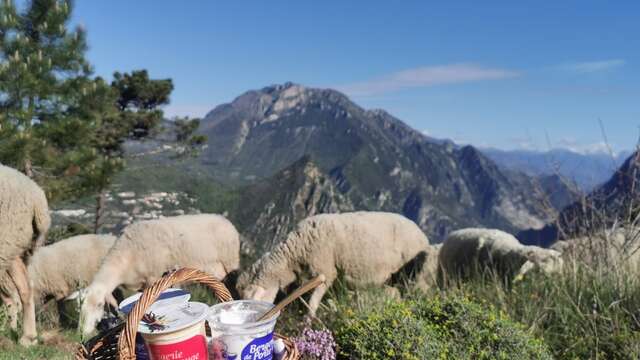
x=316 y=344
x=433 y=328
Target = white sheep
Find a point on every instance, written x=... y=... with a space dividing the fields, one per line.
x=147 y=249
x=468 y=251
x=366 y=247
x=618 y=247
x=24 y=223
x=53 y=275
x=427 y=273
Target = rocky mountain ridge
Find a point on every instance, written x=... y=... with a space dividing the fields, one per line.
x=617 y=201
x=374 y=159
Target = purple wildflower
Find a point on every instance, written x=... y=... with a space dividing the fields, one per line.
x=316 y=344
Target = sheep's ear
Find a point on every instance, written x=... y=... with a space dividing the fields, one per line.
x=526 y=267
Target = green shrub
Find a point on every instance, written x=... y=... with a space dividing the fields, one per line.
x=432 y=328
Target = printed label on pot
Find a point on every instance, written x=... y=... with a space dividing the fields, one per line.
x=194 y=348
x=259 y=349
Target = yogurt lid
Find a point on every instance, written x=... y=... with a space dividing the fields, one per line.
x=173 y=318
x=240 y=314
x=169 y=297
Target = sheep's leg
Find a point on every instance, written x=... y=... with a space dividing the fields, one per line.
x=12 y=311
x=9 y=296
x=18 y=273
x=111 y=300
x=316 y=297
x=392 y=292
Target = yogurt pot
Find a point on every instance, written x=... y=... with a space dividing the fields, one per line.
x=176 y=332
x=169 y=297
x=236 y=333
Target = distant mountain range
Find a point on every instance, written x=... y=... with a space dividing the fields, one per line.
x=279 y=154
x=615 y=201
x=367 y=159
x=586 y=170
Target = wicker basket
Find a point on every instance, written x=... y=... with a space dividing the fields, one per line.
x=119 y=343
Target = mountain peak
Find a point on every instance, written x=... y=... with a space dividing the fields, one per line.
x=376 y=161
x=277 y=88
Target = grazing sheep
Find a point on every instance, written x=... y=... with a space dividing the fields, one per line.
x=52 y=275
x=619 y=247
x=24 y=222
x=427 y=274
x=549 y=261
x=367 y=247
x=470 y=250
x=147 y=249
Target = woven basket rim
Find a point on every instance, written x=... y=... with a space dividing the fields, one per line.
x=123 y=335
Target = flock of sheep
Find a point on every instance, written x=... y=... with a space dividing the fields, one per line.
x=365 y=248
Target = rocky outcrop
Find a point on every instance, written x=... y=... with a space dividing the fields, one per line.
x=616 y=202
x=268 y=210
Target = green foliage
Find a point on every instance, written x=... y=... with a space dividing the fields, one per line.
x=582 y=313
x=432 y=328
x=139 y=99
x=59 y=124
x=49 y=103
x=60 y=345
x=185 y=129
x=183 y=175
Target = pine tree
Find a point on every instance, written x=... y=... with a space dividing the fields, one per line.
x=48 y=102
x=185 y=129
x=137 y=99
x=58 y=123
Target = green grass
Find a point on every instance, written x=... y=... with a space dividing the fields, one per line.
x=581 y=313
x=34 y=352
x=53 y=343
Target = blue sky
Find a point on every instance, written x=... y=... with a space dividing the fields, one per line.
x=502 y=73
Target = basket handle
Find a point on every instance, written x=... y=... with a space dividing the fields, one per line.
x=127 y=340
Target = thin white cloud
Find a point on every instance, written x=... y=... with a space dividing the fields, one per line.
x=426 y=76
x=593 y=66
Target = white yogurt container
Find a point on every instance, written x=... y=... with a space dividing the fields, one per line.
x=176 y=332
x=236 y=335
x=169 y=297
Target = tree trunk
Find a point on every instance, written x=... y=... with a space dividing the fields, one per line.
x=100 y=202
